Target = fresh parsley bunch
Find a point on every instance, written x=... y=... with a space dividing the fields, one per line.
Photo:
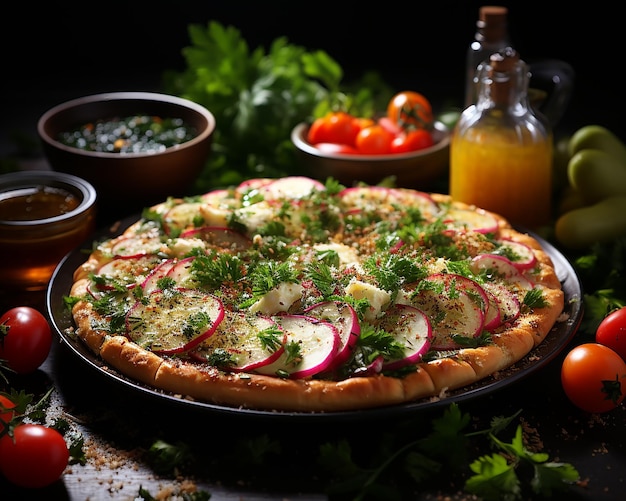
x=258 y=97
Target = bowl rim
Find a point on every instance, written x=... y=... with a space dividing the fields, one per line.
x=124 y=96
x=298 y=139
x=32 y=178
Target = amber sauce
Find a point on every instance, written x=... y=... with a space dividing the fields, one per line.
x=31 y=204
x=31 y=243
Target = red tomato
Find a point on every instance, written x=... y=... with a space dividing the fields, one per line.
x=612 y=331
x=410 y=110
x=412 y=141
x=6 y=414
x=336 y=148
x=337 y=127
x=35 y=456
x=374 y=140
x=593 y=377
x=25 y=339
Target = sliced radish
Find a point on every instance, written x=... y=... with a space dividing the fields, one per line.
x=220 y=237
x=523 y=256
x=252 y=185
x=292 y=187
x=129 y=270
x=497 y=266
x=150 y=282
x=181 y=273
x=345 y=320
x=471 y=220
x=493 y=316
x=507 y=302
x=241 y=336
x=451 y=312
x=136 y=246
x=471 y=287
x=372 y=198
x=317 y=341
x=217 y=198
x=411 y=328
x=173 y=320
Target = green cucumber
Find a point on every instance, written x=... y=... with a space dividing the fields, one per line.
x=599 y=223
x=596 y=174
x=598 y=138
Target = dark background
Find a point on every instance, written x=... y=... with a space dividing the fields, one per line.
x=56 y=52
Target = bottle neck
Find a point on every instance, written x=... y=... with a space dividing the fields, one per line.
x=503 y=82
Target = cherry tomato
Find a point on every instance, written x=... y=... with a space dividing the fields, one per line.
x=412 y=141
x=374 y=140
x=410 y=109
x=6 y=414
x=25 y=339
x=593 y=377
x=336 y=127
x=336 y=148
x=35 y=456
x=612 y=331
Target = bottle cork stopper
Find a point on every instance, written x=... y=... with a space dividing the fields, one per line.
x=492 y=15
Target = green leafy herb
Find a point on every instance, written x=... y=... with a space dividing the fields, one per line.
x=534 y=298
x=497 y=476
x=257 y=97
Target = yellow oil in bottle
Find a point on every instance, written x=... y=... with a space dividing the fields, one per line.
x=500 y=151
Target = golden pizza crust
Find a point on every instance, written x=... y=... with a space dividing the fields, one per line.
x=431 y=379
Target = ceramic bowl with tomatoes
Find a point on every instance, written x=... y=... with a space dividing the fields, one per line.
x=406 y=142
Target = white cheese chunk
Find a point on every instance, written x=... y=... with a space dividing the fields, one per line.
x=347 y=255
x=182 y=246
x=376 y=297
x=278 y=299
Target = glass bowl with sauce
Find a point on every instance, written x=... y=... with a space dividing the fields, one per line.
x=43 y=216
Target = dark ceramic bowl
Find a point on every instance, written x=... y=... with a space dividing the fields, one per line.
x=129 y=182
x=416 y=169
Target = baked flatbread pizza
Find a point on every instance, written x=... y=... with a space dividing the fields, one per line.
x=296 y=295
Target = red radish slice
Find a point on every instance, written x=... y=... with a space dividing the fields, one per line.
x=173 y=320
x=180 y=273
x=136 y=246
x=345 y=320
x=451 y=312
x=411 y=328
x=253 y=184
x=500 y=266
x=241 y=336
x=370 y=198
x=292 y=187
x=317 y=340
x=507 y=302
x=471 y=287
x=129 y=270
x=150 y=282
x=493 y=317
x=220 y=237
x=471 y=220
x=217 y=198
x=524 y=256
x=182 y=216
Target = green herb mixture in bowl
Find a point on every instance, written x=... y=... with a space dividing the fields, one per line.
x=135 y=148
